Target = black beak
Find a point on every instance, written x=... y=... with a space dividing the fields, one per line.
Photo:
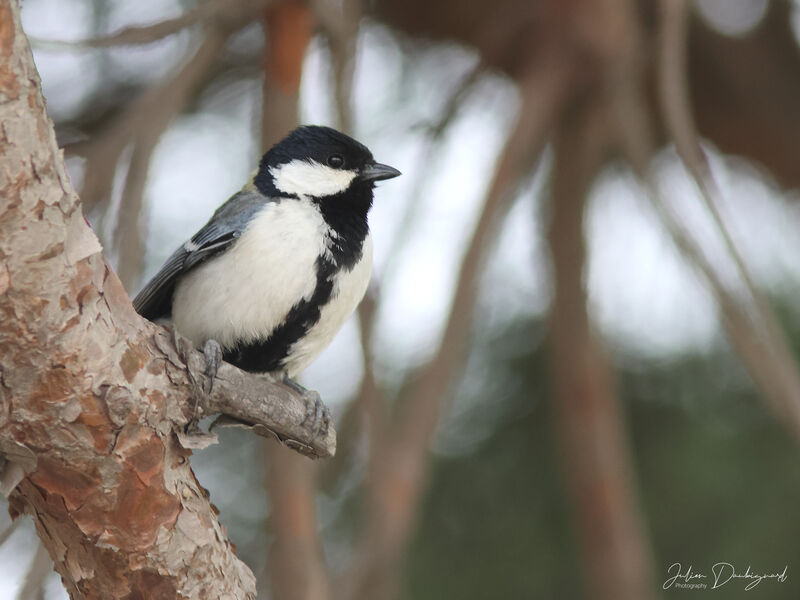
x=377 y=172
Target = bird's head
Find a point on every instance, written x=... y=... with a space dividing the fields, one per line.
x=322 y=164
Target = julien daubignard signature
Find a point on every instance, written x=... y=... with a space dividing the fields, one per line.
x=721 y=574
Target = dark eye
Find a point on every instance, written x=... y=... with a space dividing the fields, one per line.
x=336 y=161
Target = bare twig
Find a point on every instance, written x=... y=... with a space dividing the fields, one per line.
x=274 y=410
x=782 y=374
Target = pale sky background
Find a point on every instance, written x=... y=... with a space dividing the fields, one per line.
x=643 y=297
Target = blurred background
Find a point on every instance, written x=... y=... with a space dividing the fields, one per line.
x=577 y=363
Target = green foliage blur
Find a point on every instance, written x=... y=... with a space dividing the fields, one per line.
x=718 y=478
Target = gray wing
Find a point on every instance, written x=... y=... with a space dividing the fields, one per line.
x=224 y=227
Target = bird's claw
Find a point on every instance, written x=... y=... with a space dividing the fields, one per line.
x=318 y=416
x=213 y=355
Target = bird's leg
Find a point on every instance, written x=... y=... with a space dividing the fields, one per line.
x=213 y=354
x=293 y=385
x=318 y=416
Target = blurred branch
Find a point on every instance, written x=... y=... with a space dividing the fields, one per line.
x=397 y=470
x=636 y=133
x=616 y=560
x=144 y=118
x=427 y=163
x=40 y=567
x=370 y=401
x=749 y=105
x=142 y=123
x=367 y=412
x=220 y=11
x=615 y=552
x=779 y=373
x=370 y=398
x=296 y=565
x=8 y=531
x=340 y=23
x=288 y=26
x=541 y=91
x=456 y=99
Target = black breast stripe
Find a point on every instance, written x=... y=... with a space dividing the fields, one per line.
x=269 y=355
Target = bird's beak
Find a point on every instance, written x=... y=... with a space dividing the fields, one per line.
x=377 y=172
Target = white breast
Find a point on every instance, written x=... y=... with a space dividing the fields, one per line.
x=348 y=290
x=249 y=289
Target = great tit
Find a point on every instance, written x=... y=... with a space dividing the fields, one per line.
x=283 y=263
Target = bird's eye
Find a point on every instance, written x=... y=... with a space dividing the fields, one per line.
x=336 y=161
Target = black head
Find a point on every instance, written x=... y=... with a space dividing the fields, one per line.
x=320 y=163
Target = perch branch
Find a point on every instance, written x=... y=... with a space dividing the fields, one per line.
x=258 y=401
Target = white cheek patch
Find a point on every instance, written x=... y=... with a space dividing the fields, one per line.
x=309 y=178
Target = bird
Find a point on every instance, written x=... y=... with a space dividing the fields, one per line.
x=269 y=280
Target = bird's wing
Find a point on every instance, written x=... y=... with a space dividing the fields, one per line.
x=154 y=301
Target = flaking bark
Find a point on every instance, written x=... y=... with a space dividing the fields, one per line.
x=93 y=399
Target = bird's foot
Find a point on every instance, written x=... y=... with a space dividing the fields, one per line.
x=212 y=352
x=318 y=416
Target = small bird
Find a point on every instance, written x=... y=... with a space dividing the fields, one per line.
x=279 y=267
